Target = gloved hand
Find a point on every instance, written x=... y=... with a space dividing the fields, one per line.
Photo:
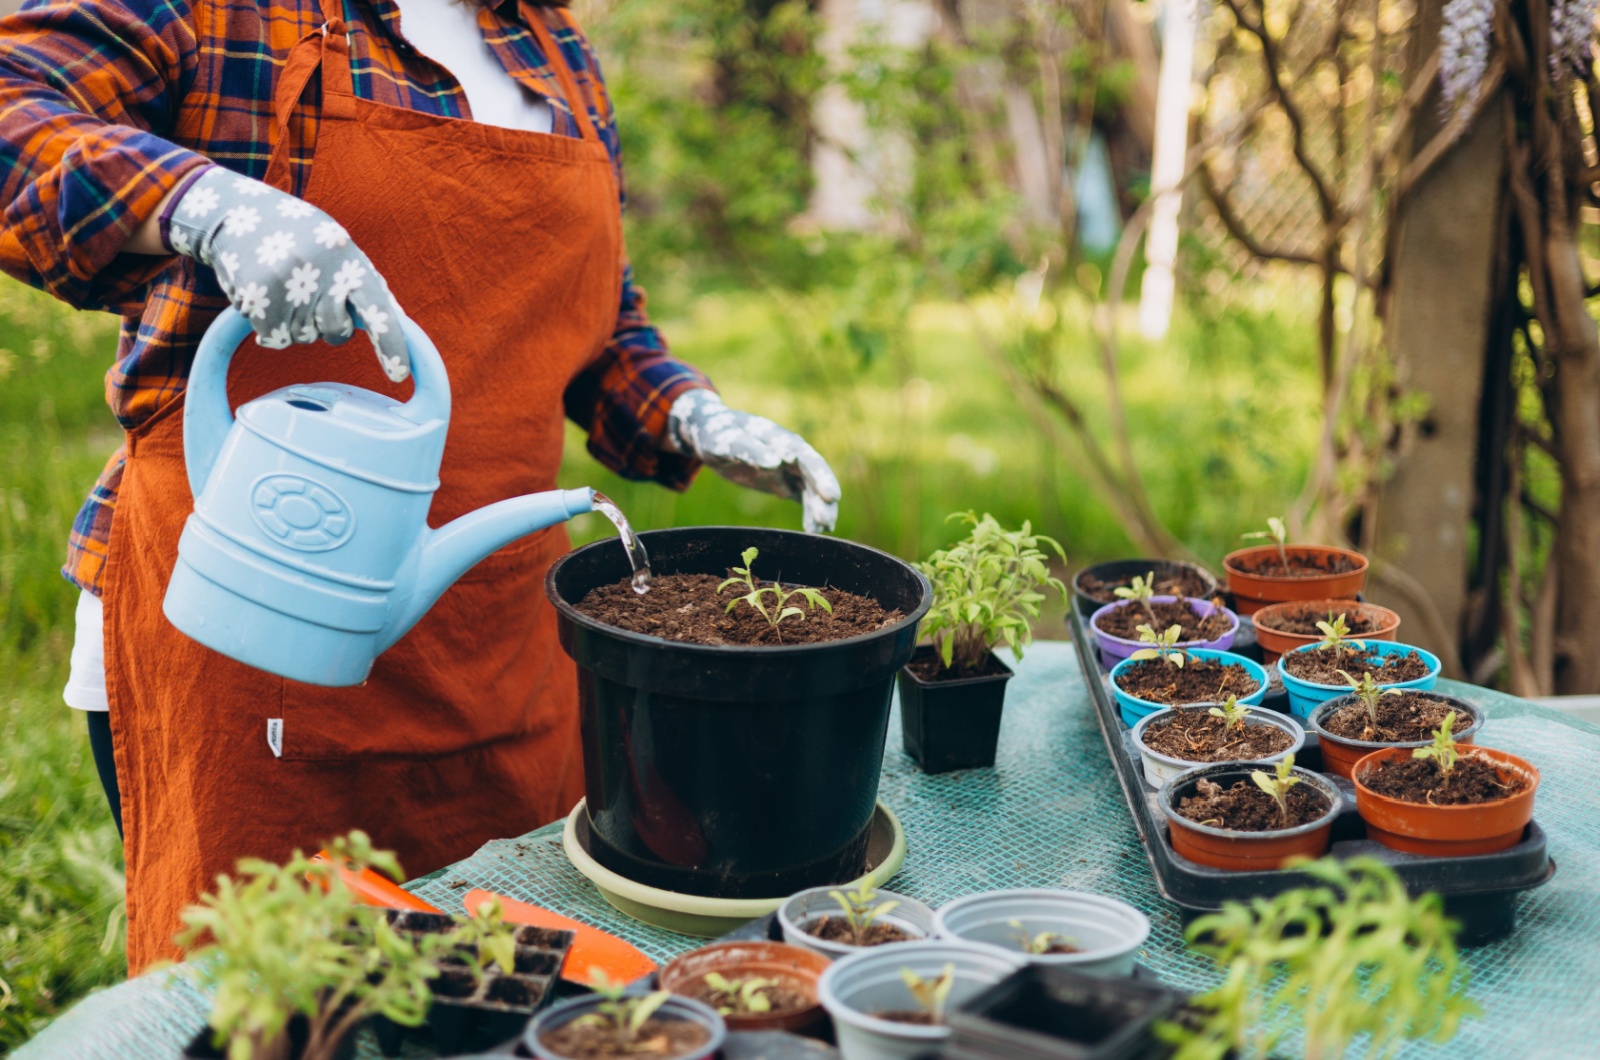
x=753 y=451
x=287 y=266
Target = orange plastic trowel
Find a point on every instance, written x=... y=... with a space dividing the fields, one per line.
x=592 y=949
x=372 y=888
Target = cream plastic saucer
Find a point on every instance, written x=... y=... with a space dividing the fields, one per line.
x=692 y=914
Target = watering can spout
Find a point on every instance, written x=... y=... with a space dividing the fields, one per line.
x=449 y=552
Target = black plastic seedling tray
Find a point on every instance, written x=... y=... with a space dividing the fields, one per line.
x=1479 y=891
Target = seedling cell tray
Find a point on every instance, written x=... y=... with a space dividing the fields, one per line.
x=1479 y=891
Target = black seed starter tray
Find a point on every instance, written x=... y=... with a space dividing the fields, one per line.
x=1479 y=891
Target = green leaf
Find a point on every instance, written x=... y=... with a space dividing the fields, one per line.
x=749 y=556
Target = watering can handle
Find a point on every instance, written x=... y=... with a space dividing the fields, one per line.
x=207 y=418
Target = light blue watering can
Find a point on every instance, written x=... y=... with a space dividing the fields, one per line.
x=309 y=551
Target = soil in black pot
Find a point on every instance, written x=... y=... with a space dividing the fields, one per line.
x=1420 y=780
x=1181 y=582
x=1196 y=736
x=1196 y=681
x=1124 y=622
x=1246 y=808
x=920 y=1019
x=929 y=668
x=1301 y=564
x=687 y=608
x=1321 y=666
x=658 y=1039
x=1404 y=718
x=1303 y=621
x=838 y=929
x=783 y=999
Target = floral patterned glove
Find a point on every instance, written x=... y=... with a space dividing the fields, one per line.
x=287 y=266
x=753 y=451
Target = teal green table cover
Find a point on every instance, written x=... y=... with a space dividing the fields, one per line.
x=1050 y=814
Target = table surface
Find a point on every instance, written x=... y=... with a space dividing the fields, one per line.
x=1049 y=815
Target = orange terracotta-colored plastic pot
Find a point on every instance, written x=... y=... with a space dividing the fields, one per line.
x=794 y=968
x=1245 y=851
x=1340 y=755
x=1275 y=642
x=1448 y=831
x=1252 y=592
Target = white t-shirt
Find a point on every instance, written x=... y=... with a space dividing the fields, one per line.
x=447 y=32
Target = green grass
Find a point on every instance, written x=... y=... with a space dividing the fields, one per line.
x=1223 y=417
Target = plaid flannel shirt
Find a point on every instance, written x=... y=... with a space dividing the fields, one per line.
x=106 y=105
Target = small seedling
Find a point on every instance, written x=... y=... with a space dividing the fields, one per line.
x=1336 y=634
x=1443 y=750
x=745 y=996
x=1232 y=712
x=1278 y=786
x=1278 y=535
x=861 y=908
x=780 y=608
x=620 y=1014
x=930 y=994
x=1368 y=691
x=1161 y=645
x=1043 y=942
x=1143 y=590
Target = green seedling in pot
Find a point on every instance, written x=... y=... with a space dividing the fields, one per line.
x=1443 y=750
x=1278 y=785
x=987 y=588
x=780 y=608
x=1232 y=712
x=619 y=1014
x=1278 y=535
x=1143 y=590
x=861 y=909
x=931 y=995
x=1368 y=691
x=1352 y=959
x=1336 y=634
x=489 y=938
x=1043 y=942
x=1161 y=645
x=746 y=996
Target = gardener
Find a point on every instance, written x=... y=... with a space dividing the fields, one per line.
x=317 y=167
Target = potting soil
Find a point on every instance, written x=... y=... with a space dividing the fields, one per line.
x=1051 y=814
x=1472 y=781
x=1301 y=564
x=838 y=929
x=1178 y=583
x=1321 y=666
x=1196 y=681
x=1246 y=808
x=1125 y=621
x=657 y=1039
x=1303 y=622
x=1405 y=717
x=1198 y=736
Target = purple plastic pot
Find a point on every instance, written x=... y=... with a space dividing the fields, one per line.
x=1114 y=649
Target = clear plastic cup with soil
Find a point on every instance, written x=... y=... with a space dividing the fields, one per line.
x=706 y=701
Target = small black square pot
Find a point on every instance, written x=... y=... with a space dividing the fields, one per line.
x=952 y=724
x=299 y=1031
x=1050 y=1013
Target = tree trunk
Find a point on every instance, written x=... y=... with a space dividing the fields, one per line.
x=1437 y=331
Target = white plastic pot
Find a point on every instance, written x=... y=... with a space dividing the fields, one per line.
x=869 y=981
x=1160 y=768
x=909 y=915
x=1107 y=932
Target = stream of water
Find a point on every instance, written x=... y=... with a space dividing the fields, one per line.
x=630 y=541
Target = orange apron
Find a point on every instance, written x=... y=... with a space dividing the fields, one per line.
x=506 y=248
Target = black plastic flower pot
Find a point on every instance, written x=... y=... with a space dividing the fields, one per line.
x=952 y=723
x=1049 y=1012
x=1120 y=569
x=735 y=771
x=298 y=1031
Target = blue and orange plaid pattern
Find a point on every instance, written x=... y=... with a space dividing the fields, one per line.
x=102 y=113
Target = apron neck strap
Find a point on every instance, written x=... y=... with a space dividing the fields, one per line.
x=327 y=47
x=553 y=55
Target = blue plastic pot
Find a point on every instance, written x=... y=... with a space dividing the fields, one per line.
x=1304 y=697
x=1134 y=708
x=1114 y=649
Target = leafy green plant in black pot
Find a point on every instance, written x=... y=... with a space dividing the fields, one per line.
x=295 y=964
x=1352 y=958
x=986 y=589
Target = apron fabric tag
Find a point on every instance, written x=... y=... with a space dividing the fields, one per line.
x=275 y=736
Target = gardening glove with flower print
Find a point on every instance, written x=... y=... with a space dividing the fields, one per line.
x=753 y=451
x=288 y=267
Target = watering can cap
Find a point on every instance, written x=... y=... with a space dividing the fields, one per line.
x=352 y=430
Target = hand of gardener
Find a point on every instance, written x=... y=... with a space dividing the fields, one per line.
x=753 y=451
x=287 y=266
